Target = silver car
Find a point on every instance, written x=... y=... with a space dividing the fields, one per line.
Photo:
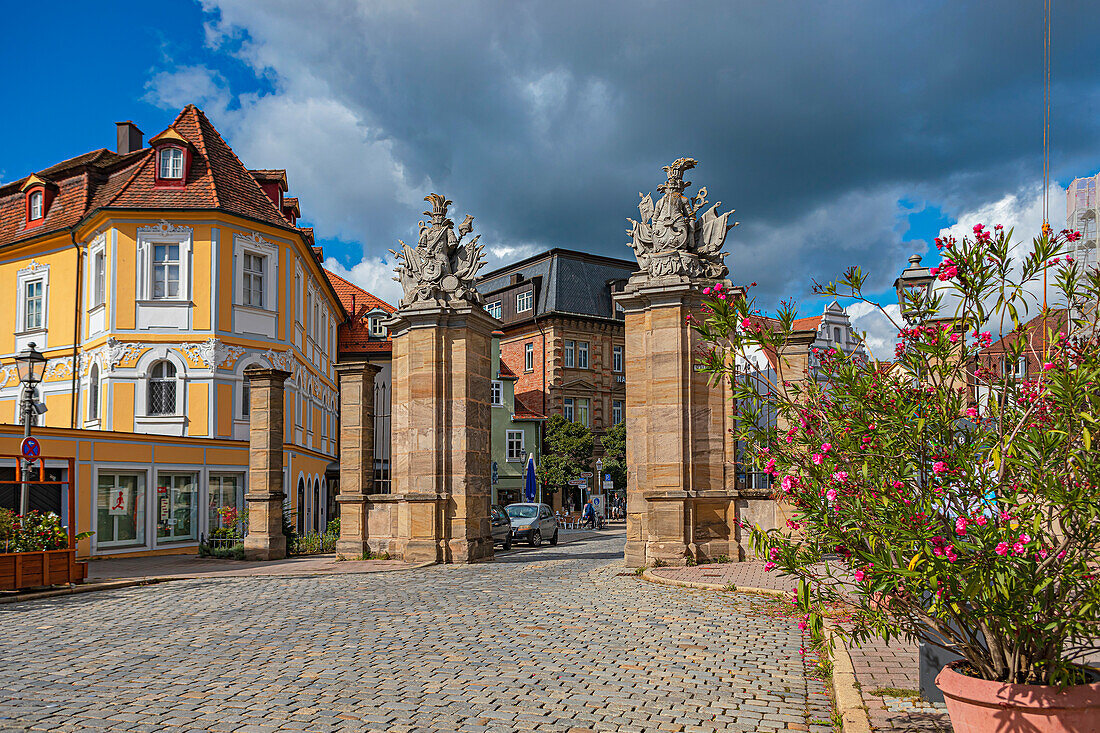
x=533 y=522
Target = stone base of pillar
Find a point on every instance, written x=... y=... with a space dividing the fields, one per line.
x=469 y=550
x=353 y=542
x=265 y=540
x=671 y=529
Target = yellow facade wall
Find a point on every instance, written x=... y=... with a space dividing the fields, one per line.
x=126 y=254
x=198 y=409
x=122 y=419
x=224 y=413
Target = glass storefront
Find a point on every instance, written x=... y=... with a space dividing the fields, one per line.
x=226 y=490
x=120 y=510
x=177 y=507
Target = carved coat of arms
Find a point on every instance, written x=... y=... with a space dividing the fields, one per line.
x=441 y=268
x=674 y=238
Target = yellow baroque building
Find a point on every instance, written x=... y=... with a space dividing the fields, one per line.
x=151 y=277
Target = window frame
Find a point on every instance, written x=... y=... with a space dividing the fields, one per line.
x=582 y=355
x=584 y=410
x=93 y=393
x=377 y=328
x=38 y=196
x=509 y=435
x=568 y=409
x=617 y=354
x=148 y=239
x=250 y=276
x=617 y=408
x=529 y=356
x=527 y=297
x=569 y=353
x=163 y=156
x=494 y=309
x=496 y=393
x=155 y=382
x=40 y=307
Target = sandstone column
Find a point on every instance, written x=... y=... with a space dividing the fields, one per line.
x=265 y=540
x=356 y=455
x=681 y=498
x=441 y=430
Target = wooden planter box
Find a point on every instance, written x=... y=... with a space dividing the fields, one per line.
x=21 y=570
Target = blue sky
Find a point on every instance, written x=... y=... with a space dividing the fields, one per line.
x=843 y=133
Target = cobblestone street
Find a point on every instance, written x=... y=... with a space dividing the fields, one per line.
x=557 y=639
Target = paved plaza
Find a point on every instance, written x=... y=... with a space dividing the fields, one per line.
x=556 y=639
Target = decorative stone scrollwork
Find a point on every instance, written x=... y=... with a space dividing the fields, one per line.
x=166 y=227
x=440 y=269
x=212 y=353
x=32 y=267
x=280 y=359
x=119 y=352
x=673 y=239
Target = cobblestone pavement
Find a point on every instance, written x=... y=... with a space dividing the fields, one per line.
x=890 y=670
x=554 y=639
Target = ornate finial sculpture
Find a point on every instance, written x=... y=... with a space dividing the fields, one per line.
x=440 y=269
x=673 y=239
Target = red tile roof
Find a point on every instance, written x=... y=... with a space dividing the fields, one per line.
x=353 y=336
x=101 y=179
x=809 y=323
x=524 y=412
x=505 y=371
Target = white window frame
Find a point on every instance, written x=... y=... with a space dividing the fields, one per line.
x=249 y=277
x=39 y=198
x=99 y=276
x=496 y=392
x=174 y=380
x=568 y=409
x=493 y=309
x=249 y=318
x=38 y=299
x=32 y=273
x=582 y=355
x=510 y=436
x=569 y=353
x=376 y=328
x=524 y=300
x=616 y=412
x=584 y=410
x=93 y=393
x=147 y=241
x=617 y=358
x=529 y=356
x=167 y=164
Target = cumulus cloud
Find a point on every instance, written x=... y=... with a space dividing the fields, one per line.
x=879 y=329
x=373 y=275
x=813 y=125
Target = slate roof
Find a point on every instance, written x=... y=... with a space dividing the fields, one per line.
x=217 y=179
x=353 y=336
x=573 y=282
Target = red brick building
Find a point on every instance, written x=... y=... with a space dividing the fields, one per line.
x=563 y=336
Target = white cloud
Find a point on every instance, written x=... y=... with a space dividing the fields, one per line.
x=880 y=333
x=372 y=274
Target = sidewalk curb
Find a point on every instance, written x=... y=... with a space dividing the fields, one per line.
x=848 y=698
x=157 y=579
x=652 y=577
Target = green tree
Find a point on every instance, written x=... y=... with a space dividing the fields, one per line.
x=568 y=452
x=614 y=454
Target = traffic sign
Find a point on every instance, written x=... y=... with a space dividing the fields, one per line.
x=576 y=482
x=494 y=472
x=29 y=448
x=586 y=474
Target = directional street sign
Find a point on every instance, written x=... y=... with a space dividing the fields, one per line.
x=576 y=482
x=29 y=448
x=586 y=474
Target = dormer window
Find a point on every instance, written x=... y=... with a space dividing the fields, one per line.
x=171 y=163
x=35 y=206
x=376 y=328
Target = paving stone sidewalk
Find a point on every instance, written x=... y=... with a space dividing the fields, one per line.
x=886 y=669
x=561 y=639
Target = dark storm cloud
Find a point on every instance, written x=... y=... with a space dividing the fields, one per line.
x=811 y=119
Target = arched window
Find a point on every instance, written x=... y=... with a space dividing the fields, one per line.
x=93 y=393
x=36 y=206
x=317 y=507
x=162 y=389
x=171 y=163
x=301 y=507
x=246 y=398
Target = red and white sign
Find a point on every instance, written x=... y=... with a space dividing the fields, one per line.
x=119 y=505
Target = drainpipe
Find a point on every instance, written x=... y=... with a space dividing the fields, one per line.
x=76 y=328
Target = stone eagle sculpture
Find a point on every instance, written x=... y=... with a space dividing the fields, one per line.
x=441 y=268
x=673 y=239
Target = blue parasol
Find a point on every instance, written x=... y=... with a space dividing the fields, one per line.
x=529 y=478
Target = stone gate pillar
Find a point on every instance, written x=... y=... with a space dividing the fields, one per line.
x=356 y=455
x=439 y=418
x=265 y=540
x=681 y=497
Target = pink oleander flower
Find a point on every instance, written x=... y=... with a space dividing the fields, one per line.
x=939 y=467
x=1002 y=549
x=1024 y=538
x=972 y=412
x=840 y=476
x=788 y=483
x=746 y=323
x=954 y=337
x=1048 y=366
x=980 y=521
x=960 y=526
x=706 y=291
x=826 y=447
x=860 y=575
x=817 y=458
x=1005 y=516
x=898 y=484
x=773 y=554
x=831 y=494
x=769 y=566
x=802 y=624
x=770 y=468
x=1018 y=548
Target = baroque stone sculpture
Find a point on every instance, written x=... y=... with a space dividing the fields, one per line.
x=673 y=239
x=441 y=268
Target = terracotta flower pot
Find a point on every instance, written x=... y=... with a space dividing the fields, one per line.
x=980 y=706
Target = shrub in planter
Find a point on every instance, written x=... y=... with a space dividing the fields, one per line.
x=36 y=532
x=939 y=499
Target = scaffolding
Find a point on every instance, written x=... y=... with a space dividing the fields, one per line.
x=1081 y=216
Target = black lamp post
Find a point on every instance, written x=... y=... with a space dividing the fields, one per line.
x=30 y=364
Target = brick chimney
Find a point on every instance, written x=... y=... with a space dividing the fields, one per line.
x=129 y=137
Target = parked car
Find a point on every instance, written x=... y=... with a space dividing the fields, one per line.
x=533 y=522
x=501 y=526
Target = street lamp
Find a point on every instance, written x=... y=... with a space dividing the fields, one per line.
x=914 y=288
x=30 y=364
